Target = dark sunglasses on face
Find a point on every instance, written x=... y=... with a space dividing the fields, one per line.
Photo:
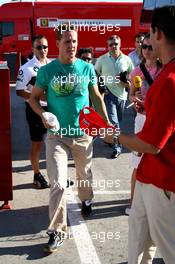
x=113 y=44
x=86 y=59
x=40 y=47
x=149 y=47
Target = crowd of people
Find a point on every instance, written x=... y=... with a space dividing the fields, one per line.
x=56 y=88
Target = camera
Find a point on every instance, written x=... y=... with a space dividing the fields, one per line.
x=123 y=77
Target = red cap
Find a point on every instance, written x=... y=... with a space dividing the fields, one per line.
x=91 y=122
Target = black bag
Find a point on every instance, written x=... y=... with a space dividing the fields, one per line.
x=148 y=77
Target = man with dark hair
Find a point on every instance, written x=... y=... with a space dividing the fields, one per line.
x=25 y=81
x=153 y=209
x=135 y=55
x=67 y=82
x=61 y=28
x=85 y=54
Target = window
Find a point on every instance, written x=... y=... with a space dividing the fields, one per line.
x=6 y=29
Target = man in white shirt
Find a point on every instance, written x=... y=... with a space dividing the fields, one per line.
x=25 y=81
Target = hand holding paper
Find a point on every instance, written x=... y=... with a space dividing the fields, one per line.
x=51 y=121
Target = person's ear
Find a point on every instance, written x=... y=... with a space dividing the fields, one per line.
x=158 y=33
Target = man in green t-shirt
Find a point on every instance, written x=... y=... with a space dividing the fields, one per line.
x=67 y=83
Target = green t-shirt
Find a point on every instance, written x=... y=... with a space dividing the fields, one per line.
x=67 y=92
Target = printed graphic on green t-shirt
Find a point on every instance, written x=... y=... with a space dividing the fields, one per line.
x=61 y=86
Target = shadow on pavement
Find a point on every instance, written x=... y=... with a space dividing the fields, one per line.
x=24 y=186
x=22 y=168
x=102 y=150
x=42 y=165
x=125 y=202
x=103 y=212
x=110 y=211
x=27 y=221
x=32 y=252
x=158 y=261
x=155 y=261
x=25 y=168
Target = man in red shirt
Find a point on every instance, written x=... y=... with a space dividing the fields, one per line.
x=153 y=210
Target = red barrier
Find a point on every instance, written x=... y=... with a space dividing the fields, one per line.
x=5 y=138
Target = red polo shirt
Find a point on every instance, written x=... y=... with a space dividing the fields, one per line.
x=159 y=130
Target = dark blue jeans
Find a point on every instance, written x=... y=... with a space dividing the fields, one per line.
x=115 y=108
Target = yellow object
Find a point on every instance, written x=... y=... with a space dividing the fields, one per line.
x=137 y=82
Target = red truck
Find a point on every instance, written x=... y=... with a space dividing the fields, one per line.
x=20 y=21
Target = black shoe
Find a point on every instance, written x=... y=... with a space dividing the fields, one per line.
x=40 y=181
x=55 y=241
x=86 y=210
x=115 y=154
x=69 y=183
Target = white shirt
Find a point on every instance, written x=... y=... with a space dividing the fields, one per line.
x=134 y=57
x=27 y=75
x=109 y=69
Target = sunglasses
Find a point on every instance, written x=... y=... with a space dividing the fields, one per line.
x=113 y=44
x=40 y=47
x=149 y=47
x=86 y=59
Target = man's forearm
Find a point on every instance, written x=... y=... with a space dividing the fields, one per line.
x=35 y=105
x=132 y=142
x=24 y=94
x=101 y=108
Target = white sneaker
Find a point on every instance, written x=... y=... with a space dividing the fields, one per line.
x=128 y=211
